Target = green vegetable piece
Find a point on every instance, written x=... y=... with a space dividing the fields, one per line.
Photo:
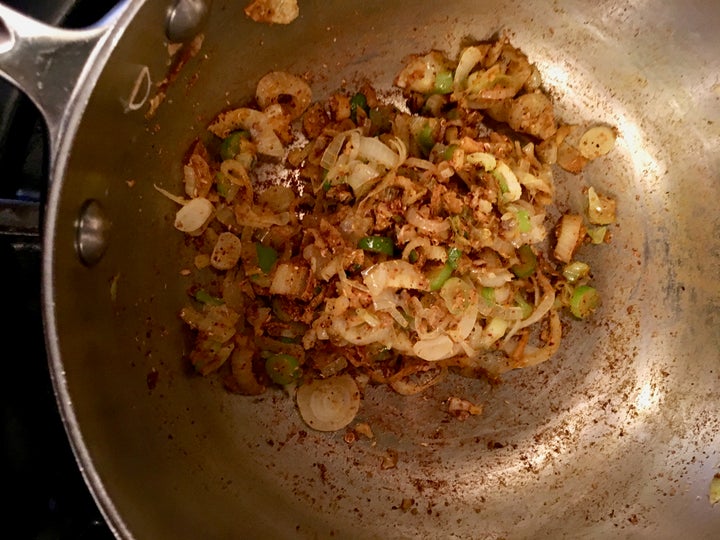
x=425 y=139
x=201 y=295
x=583 y=301
x=454 y=255
x=443 y=83
x=266 y=256
x=358 y=100
x=523 y=220
x=413 y=256
x=597 y=234
x=575 y=271
x=527 y=309
x=279 y=310
x=528 y=262
x=488 y=294
x=222 y=185
x=501 y=182
x=449 y=151
x=230 y=146
x=283 y=368
x=377 y=244
x=439 y=276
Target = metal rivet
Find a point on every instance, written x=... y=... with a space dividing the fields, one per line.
x=92 y=233
x=185 y=19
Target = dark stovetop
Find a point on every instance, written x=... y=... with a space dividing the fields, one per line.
x=48 y=498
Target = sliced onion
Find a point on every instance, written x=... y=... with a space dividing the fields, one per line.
x=487 y=161
x=465 y=325
x=597 y=141
x=173 y=198
x=248 y=217
x=438 y=227
x=418 y=383
x=419 y=163
x=434 y=349
x=469 y=58
x=514 y=189
x=540 y=311
x=227 y=251
x=193 y=217
x=360 y=177
x=437 y=253
x=491 y=277
x=394 y=274
x=568 y=237
x=329 y=404
x=362 y=334
x=373 y=149
x=535 y=183
x=277 y=84
x=493 y=331
x=289 y=279
x=533 y=356
x=419 y=74
x=253 y=121
x=332 y=151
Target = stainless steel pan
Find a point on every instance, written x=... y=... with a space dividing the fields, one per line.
x=617 y=437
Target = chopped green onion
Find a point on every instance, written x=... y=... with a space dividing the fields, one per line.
x=523 y=220
x=528 y=262
x=486 y=160
x=447 y=154
x=583 y=301
x=222 y=184
x=526 y=308
x=443 y=82
x=230 y=146
x=329 y=404
x=266 y=256
x=201 y=295
x=279 y=310
x=377 y=244
x=358 y=100
x=413 y=256
x=576 y=270
x=425 y=139
x=440 y=275
x=502 y=183
x=488 y=294
x=454 y=255
x=597 y=234
x=283 y=368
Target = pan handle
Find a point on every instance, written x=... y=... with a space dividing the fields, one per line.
x=46 y=62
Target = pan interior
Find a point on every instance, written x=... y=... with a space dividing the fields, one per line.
x=615 y=435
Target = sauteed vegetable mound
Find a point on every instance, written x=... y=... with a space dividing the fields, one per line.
x=371 y=239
